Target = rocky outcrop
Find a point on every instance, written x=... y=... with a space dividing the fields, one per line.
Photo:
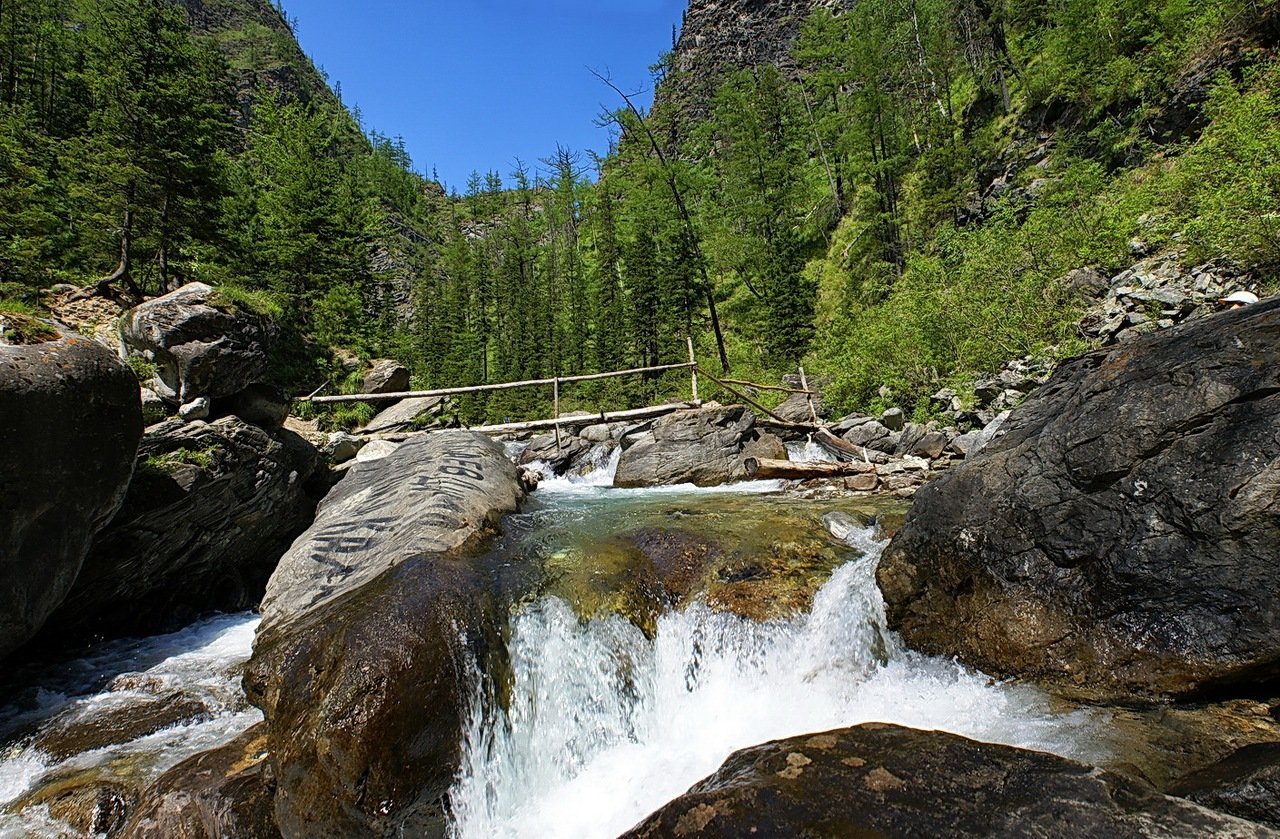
x=407 y=415
x=369 y=625
x=201 y=346
x=884 y=780
x=1119 y=536
x=1246 y=783
x=210 y=510
x=719 y=37
x=225 y=792
x=70 y=421
x=702 y=446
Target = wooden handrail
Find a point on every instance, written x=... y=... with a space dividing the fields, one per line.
x=458 y=391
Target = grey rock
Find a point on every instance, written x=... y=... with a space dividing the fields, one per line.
x=211 y=508
x=386 y=376
x=893 y=419
x=765 y=446
x=702 y=446
x=342 y=447
x=70 y=421
x=368 y=624
x=795 y=408
x=967 y=445
x=598 y=433
x=867 y=433
x=930 y=446
x=885 y=780
x=405 y=415
x=1117 y=537
x=375 y=450
x=203 y=348
x=196 y=409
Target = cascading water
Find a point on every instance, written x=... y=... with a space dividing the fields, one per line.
x=603 y=725
x=202 y=663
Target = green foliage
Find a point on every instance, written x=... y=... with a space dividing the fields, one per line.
x=169 y=462
x=143 y=369
x=256 y=300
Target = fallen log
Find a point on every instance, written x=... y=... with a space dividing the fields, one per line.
x=574 y=421
x=766 y=469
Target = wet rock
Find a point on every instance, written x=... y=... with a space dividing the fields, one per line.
x=386 y=376
x=211 y=508
x=1117 y=536
x=70 y=421
x=202 y=346
x=702 y=446
x=368 y=627
x=885 y=780
x=83 y=729
x=87 y=802
x=1246 y=783
x=558 y=453
x=226 y=792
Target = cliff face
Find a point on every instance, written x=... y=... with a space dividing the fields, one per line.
x=722 y=36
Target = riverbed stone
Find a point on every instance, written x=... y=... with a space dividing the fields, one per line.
x=386 y=376
x=203 y=346
x=70 y=421
x=886 y=780
x=368 y=628
x=225 y=792
x=1117 y=537
x=701 y=446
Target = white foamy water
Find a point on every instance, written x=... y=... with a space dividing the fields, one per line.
x=807 y=451
x=203 y=662
x=605 y=725
x=596 y=481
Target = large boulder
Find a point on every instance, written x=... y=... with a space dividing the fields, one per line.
x=202 y=346
x=211 y=509
x=702 y=446
x=369 y=627
x=885 y=780
x=70 y=421
x=1120 y=535
x=386 y=376
x=406 y=415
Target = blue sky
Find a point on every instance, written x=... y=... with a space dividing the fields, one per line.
x=474 y=84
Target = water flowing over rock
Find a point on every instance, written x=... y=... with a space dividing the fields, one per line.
x=703 y=446
x=203 y=348
x=70 y=421
x=224 y=792
x=211 y=508
x=368 y=626
x=1119 y=535
x=884 y=780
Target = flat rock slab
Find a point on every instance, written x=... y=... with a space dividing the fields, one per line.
x=370 y=624
x=885 y=780
x=1119 y=537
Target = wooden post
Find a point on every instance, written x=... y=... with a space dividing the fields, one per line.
x=556 y=405
x=693 y=370
x=804 y=383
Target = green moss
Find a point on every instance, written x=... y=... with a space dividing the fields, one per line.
x=21 y=324
x=169 y=462
x=257 y=301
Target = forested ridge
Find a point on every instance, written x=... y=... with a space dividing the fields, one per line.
x=896 y=210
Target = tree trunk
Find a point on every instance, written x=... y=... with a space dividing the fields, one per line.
x=765 y=469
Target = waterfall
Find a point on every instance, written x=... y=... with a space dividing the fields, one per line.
x=605 y=725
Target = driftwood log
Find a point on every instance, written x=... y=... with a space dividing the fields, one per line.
x=766 y=469
x=845 y=450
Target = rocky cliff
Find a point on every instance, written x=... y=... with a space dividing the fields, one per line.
x=721 y=36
